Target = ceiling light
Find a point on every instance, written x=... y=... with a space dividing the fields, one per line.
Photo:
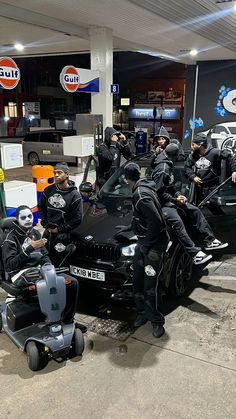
x=19 y=47
x=235 y=7
x=193 y=52
x=66 y=121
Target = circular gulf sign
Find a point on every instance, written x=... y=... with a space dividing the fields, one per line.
x=9 y=73
x=69 y=78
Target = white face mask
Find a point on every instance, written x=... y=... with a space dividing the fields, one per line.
x=25 y=218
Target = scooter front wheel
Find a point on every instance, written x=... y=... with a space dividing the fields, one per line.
x=35 y=359
x=78 y=342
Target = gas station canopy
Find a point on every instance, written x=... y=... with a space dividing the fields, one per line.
x=166 y=29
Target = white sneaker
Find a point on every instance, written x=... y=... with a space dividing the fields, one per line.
x=201 y=257
x=215 y=244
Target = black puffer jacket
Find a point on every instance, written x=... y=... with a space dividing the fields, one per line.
x=17 y=252
x=109 y=155
x=148 y=222
x=163 y=176
x=208 y=166
x=61 y=207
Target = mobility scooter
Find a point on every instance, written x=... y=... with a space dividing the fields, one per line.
x=33 y=320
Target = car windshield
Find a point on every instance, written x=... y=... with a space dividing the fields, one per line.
x=117 y=184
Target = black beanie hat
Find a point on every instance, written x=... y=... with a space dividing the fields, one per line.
x=132 y=171
x=62 y=166
x=200 y=139
x=172 y=150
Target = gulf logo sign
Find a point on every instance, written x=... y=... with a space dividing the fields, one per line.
x=9 y=73
x=70 y=79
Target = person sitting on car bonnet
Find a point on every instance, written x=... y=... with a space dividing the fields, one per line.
x=61 y=212
x=161 y=141
x=22 y=249
x=149 y=226
x=204 y=166
x=109 y=154
x=174 y=204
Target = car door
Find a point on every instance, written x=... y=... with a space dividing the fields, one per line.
x=48 y=146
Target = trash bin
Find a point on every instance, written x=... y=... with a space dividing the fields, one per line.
x=140 y=142
x=42 y=176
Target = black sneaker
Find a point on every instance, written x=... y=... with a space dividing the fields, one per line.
x=140 y=320
x=215 y=244
x=158 y=331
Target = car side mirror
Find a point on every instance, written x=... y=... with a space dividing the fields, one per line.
x=223 y=134
x=86 y=187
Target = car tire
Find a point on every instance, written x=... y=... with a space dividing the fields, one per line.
x=33 y=159
x=181 y=274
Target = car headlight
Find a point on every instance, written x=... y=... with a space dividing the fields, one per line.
x=129 y=250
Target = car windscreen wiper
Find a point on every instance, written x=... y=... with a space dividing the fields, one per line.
x=205 y=200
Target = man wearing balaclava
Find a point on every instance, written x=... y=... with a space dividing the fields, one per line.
x=61 y=212
x=109 y=154
x=22 y=249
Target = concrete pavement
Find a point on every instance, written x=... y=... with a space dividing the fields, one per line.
x=189 y=373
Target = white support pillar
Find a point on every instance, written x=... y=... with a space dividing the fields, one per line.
x=101 y=49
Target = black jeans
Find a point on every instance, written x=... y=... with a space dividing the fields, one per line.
x=173 y=217
x=147 y=276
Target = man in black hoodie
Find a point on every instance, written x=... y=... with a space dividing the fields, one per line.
x=204 y=165
x=173 y=203
x=149 y=226
x=109 y=154
x=23 y=248
x=60 y=210
x=161 y=141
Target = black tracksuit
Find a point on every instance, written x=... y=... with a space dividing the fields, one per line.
x=109 y=156
x=149 y=226
x=18 y=254
x=61 y=208
x=163 y=176
x=208 y=167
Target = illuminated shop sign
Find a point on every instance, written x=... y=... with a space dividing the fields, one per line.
x=147 y=113
x=9 y=73
x=79 y=79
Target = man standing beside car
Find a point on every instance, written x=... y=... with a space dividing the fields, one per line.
x=109 y=154
x=204 y=166
x=60 y=211
x=149 y=226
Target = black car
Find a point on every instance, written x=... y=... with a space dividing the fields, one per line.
x=104 y=258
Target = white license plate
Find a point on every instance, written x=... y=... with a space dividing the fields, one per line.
x=87 y=273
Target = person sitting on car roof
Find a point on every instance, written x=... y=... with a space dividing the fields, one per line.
x=174 y=203
x=109 y=154
x=61 y=212
x=161 y=141
x=149 y=226
x=204 y=166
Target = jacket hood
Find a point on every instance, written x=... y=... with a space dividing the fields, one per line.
x=71 y=187
x=109 y=131
x=162 y=133
x=146 y=184
x=19 y=230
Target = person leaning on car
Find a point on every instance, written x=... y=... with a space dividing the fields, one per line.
x=203 y=166
x=109 y=154
x=149 y=226
x=60 y=211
